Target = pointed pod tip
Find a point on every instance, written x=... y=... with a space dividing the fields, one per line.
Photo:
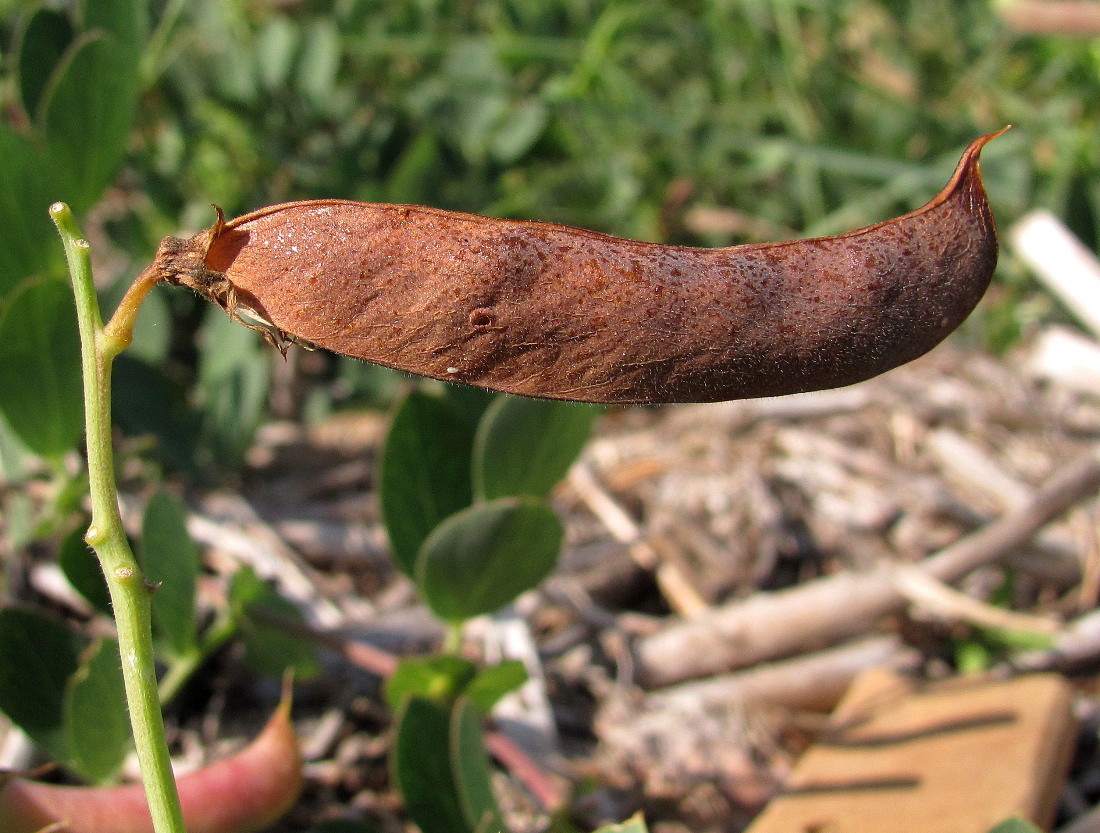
x=968 y=169
x=989 y=137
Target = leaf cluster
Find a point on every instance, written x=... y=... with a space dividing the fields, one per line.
x=464 y=482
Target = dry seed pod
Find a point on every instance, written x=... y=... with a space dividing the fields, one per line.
x=551 y=311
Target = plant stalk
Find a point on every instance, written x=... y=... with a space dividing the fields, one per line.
x=125 y=581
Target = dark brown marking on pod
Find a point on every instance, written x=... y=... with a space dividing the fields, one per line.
x=546 y=310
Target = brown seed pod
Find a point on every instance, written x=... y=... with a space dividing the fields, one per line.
x=557 y=312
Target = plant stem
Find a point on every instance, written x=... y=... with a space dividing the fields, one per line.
x=128 y=589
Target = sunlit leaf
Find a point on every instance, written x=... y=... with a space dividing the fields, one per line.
x=440 y=678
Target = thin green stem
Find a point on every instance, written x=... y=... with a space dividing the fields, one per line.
x=129 y=591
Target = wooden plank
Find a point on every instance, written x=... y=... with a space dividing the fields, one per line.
x=953 y=757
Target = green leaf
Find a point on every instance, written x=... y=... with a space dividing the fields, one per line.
x=127 y=20
x=40 y=392
x=422 y=770
x=473 y=777
x=471 y=402
x=26 y=192
x=96 y=723
x=415 y=170
x=424 y=474
x=269 y=649
x=1015 y=825
x=87 y=111
x=81 y=568
x=440 y=679
x=494 y=682
x=635 y=824
x=170 y=560
x=47 y=35
x=37 y=657
x=482 y=557
x=445 y=787
x=520 y=128
x=525 y=446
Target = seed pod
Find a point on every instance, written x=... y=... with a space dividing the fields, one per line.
x=546 y=310
x=243 y=793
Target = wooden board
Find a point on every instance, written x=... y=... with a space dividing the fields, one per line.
x=954 y=757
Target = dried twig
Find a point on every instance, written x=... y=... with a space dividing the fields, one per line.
x=826 y=610
x=814 y=682
x=677 y=590
x=947 y=603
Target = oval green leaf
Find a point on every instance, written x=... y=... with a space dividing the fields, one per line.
x=481 y=558
x=127 y=20
x=26 y=192
x=87 y=110
x=525 y=446
x=424 y=474
x=40 y=392
x=494 y=682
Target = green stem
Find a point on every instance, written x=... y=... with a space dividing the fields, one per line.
x=129 y=591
